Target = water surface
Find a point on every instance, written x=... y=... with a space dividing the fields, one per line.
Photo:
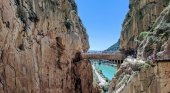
x=108 y=70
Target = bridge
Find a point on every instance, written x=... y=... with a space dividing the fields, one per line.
x=115 y=58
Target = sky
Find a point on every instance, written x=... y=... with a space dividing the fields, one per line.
x=103 y=20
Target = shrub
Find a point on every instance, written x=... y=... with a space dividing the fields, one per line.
x=140 y=14
x=143 y=35
x=107 y=80
x=67 y=23
x=152 y=39
x=105 y=89
x=73 y=4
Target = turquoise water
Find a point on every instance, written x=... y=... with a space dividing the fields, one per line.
x=107 y=70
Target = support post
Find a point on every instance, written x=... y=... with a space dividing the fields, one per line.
x=118 y=65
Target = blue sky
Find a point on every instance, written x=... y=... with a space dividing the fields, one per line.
x=103 y=20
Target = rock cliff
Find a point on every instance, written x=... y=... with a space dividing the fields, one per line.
x=153 y=44
x=40 y=41
x=135 y=76
x=156 y=42
x=141 y=16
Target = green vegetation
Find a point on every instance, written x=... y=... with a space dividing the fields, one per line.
x=143 y=35
x=152 y=39
x=146 y=65
x=105 y=88
x=140 y=14
x=114 y=47
x=73 y=4
x=67 y=23
x=107 y=80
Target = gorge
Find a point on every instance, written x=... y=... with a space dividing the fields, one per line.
x=42 y=43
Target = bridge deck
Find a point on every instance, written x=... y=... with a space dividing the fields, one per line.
x=106 y=56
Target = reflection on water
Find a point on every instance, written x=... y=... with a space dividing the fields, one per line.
x=108 y=70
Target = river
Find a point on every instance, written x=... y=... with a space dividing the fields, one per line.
x=108 y=70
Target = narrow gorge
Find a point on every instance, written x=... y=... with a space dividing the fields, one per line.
x=44 y=48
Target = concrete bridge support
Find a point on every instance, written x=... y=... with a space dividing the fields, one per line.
x=118 y=65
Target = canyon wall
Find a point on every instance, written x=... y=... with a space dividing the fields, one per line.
x=147 y=80
x=141 y=16
x=155 y=45
x=40 y=41
x=152 y=75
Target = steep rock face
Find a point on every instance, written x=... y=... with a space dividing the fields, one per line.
x=133 y=77
x=141 y=16
x=151 y=37
x=39 y=45
x=156 y=45
x=151 y=80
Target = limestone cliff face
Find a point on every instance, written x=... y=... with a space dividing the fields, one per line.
x=135 y=76
x=156 y=44
x=151 y=80
x=39 y=45
x=141 y=16
x=146 y=80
